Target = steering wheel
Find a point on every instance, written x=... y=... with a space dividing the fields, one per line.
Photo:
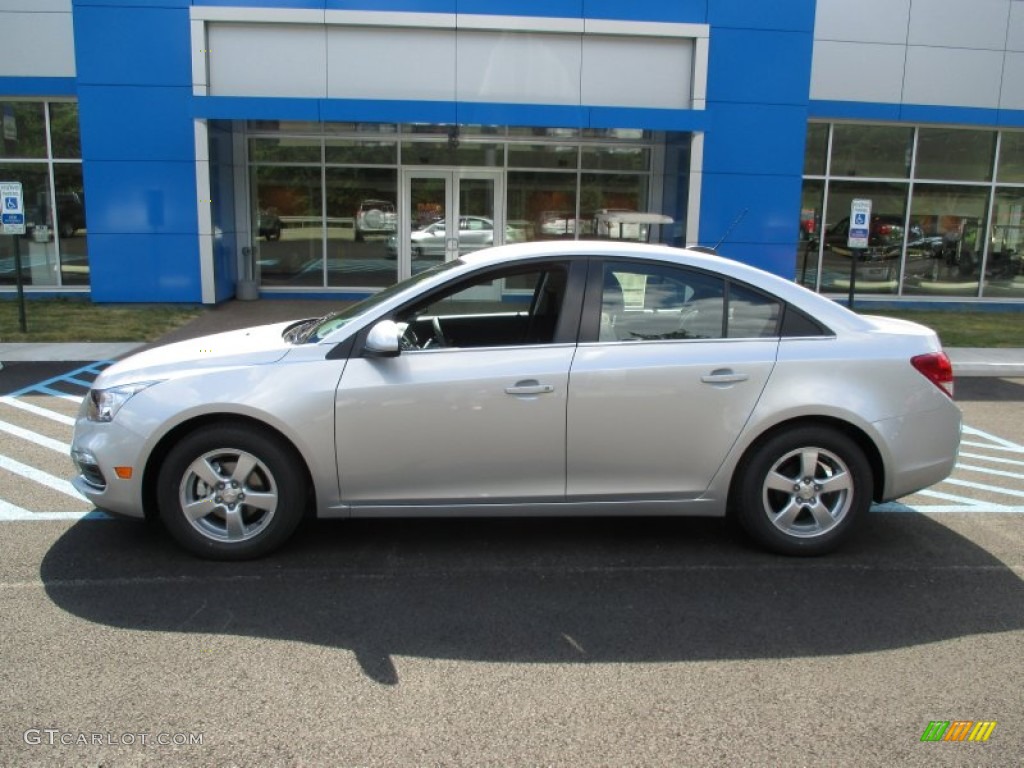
x=408 y=340
x=439 y=338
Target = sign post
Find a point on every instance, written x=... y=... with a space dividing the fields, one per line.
x=12 y=221
x=857 y=240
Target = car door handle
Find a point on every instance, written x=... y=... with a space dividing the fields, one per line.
x=530 y=387
x=724 y=376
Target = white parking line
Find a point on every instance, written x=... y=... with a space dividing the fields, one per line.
x=35 y=409
x=35 y=437
x=38 y=476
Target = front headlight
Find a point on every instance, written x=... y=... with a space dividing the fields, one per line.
x=105 y=403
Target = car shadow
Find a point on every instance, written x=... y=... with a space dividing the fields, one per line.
x=546 y=591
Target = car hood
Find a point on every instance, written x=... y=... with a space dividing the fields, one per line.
x=259 y=345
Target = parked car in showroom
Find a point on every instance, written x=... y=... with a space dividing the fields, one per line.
x=547 y=378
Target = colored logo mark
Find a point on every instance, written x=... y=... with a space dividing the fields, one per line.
x=958 y=730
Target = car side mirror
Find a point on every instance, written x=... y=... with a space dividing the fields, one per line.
x=383 y=340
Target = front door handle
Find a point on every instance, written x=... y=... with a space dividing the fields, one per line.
x=724 y=376
x=529 y=387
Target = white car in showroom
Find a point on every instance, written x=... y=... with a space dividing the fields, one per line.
x=550 y=378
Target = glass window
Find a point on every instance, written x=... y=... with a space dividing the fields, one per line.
x=484 y=312
x=812 y=199
x=453 y=152
x=285 y=149
x=556 y=133
x=616 y=158
x=37 y=247
x=288 y=211
x=752 y=315
x=541 y=206
x=559 y=156
x=876 y=151
x=602 y=193
x=70 y=223
x=946 y=241
x=361 y=152
x=955 y=154
x=1011 y=157
x=816 y=149
x=24 y=129
x=641 y=302
x=878 y=265
x=361 y=225
x=1004 y=269
x=64 y=137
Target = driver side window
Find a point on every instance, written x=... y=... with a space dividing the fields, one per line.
x=499 y=308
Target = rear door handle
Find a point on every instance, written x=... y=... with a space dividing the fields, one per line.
x=529 y=387
x=724 y=376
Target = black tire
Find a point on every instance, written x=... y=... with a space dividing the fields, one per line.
x=248 y=489
x=782 y=497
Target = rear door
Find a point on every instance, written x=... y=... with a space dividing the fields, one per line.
x=671 y=363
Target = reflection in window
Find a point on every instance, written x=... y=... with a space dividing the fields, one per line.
x=1004 y=269
x=612 y=192
x=288 y=211
x=875 y=151
x=955 y=154
x=37 y=247
x=617 y=158
x=558 y=156
x=1011 y=158
x=946 y=245
x=361 y=223
x=64 y=136
x=453 y=152
x=816 y=149
x=658 y=303
x=70 y=223
x=542 y=206
x=878 y=265
x=811 y=202
x=24 y=129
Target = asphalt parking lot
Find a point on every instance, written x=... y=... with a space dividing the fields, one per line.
x=509 y=642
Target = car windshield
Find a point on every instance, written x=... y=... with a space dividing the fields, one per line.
x=319 y=328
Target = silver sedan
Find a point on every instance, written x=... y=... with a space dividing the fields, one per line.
x=565 y=378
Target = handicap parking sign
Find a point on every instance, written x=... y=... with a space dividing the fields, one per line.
x=860 y=218
x=13 y=218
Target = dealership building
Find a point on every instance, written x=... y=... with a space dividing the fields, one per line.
x=193 y=151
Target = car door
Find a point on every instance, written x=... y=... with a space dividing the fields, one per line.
x=474 y=414
x=671 y=363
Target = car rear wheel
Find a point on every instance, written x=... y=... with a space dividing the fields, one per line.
x=231 y=492
x=801 y=492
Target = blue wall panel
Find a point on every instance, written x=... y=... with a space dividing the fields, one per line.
x=755 y=139
x=37 y=86
x=139 y=198
x=138 y=149
x=138 y=46
x=767 y=208
x=795 y=15
x=141 y=268
x=679 y=11
x=760 y=67
x=153 y=128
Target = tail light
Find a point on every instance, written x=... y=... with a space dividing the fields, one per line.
x=936 y=367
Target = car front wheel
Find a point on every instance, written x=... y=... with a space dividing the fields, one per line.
x=231 y=492
x=802 y=491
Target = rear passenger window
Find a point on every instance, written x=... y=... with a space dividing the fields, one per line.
x=650 y=302
x=752 y=315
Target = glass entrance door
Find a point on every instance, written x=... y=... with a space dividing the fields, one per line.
x=447 y=213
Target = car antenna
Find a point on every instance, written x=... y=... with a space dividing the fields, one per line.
x=728 y=232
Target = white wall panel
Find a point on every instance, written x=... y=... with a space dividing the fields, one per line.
x=959 y=24
x=36 y=44
x=58 y=6
x=637 y=72
x=857 y=72
x=357 y=55
x=1013 y=82
x=953 y=77
x=376 y=63
x=1015 y=32
x=865 y=21
x=267 y=60
x=518 y=68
